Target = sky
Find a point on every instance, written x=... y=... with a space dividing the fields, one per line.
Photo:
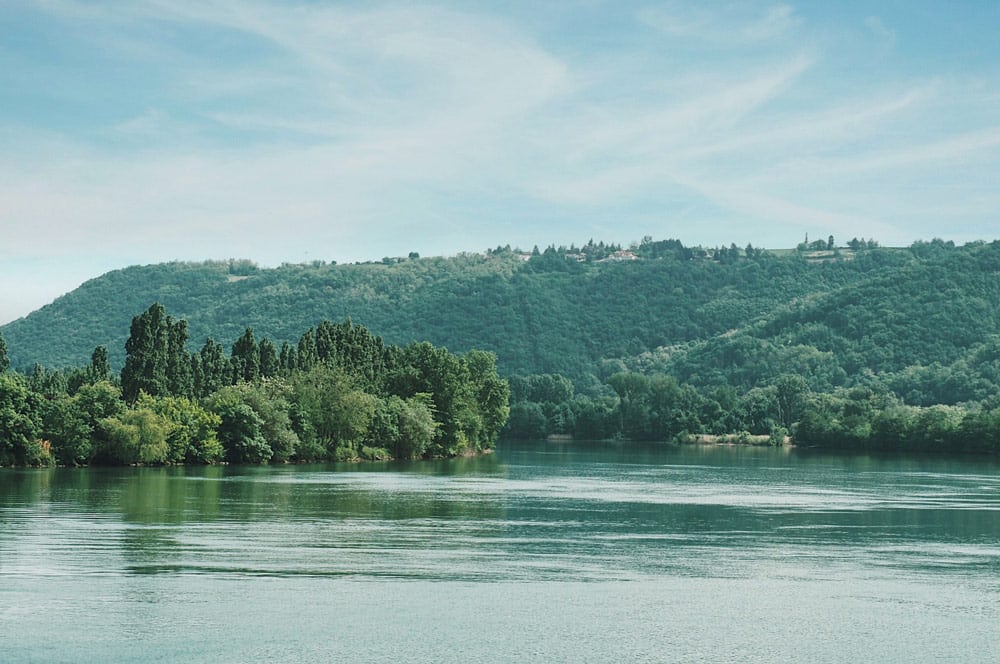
x=136 y=132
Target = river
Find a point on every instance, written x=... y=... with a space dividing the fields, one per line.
x=542 y=552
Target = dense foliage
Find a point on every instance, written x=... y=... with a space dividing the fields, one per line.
x=657 y=407
x=340 y=394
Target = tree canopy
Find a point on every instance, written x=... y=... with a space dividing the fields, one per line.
x=346 y=396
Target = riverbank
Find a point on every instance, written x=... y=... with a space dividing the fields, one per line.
x=742 y=438
x=735 y=439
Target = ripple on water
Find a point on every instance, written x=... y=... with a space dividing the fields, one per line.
x=549 y=558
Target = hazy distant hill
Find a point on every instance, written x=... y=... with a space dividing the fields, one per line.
x=710 y=317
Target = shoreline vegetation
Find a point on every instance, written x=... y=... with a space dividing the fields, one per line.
x=741 y=438
x=657 y=408
x=727 y=439
x=467 y=454
x=340 y=394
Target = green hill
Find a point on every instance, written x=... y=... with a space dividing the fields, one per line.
x=925 y=328
x=551 y=313
x=740 y=317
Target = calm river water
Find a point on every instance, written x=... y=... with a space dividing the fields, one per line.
x=539 y=553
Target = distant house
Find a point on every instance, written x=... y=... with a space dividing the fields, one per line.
x=622 y=255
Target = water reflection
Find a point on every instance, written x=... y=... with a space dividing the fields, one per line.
x=541 y=552
x=542 y=510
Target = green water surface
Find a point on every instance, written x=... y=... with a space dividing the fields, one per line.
x=541 y=552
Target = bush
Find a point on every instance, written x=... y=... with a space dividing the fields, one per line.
x=136 y=436
x=38 y=453
x=240 y=434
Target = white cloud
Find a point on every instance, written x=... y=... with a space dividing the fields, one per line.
x=733 y=25
x=269 y=130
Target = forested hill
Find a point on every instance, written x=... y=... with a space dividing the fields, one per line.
x=925 y=328
x=707 y=316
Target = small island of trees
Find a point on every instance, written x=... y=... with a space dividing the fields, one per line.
x=340 y=394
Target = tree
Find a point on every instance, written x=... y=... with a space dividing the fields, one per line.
x=490 y=394
x=665 y=407
x=197 y=376
x=338 y=414
x=20 y=419
x=416 y=427
x=240 y=434
x=268 y=354
x=192 y=437
x=406 y=428
x=65 y=425
x=269 y=399
x=179 y=377
x=759 y=410
x=146 y=350
x=288 y=358
x=156 y=361
x=937 y=427
x=245 y=358
x=425 y=369
x=4 y=360
x=352 y=348
x=632 y=389
x=50 y=384
x=307 y=357
x=541 y=388
x=214 y=368
x=94 y=402
x=99 y=368
x=792 y=396
x=137 y=435
x=99 y=400
x=526 y=421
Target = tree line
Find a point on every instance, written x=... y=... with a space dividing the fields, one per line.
x=339 y=394
x=657 y=407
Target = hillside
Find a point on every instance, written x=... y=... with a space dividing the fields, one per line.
x=551 y=313
x=924 y=328
x=919 y=320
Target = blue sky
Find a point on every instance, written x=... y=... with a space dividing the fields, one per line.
x=135 y=132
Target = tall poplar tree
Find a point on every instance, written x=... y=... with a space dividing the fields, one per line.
x=145 y=367
x=245 y=358
x=179 y=377
x=4 y=360
x=99 y=368
x=268 y=357
x=307 y=357
x=215 y=369
x=288 y=359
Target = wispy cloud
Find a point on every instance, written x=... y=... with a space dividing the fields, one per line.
x=631 y=148
x=183 y=129
x=736 y=24
x=877 y=28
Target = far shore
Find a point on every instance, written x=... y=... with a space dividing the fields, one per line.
x=731 y=439
x=702 y=439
